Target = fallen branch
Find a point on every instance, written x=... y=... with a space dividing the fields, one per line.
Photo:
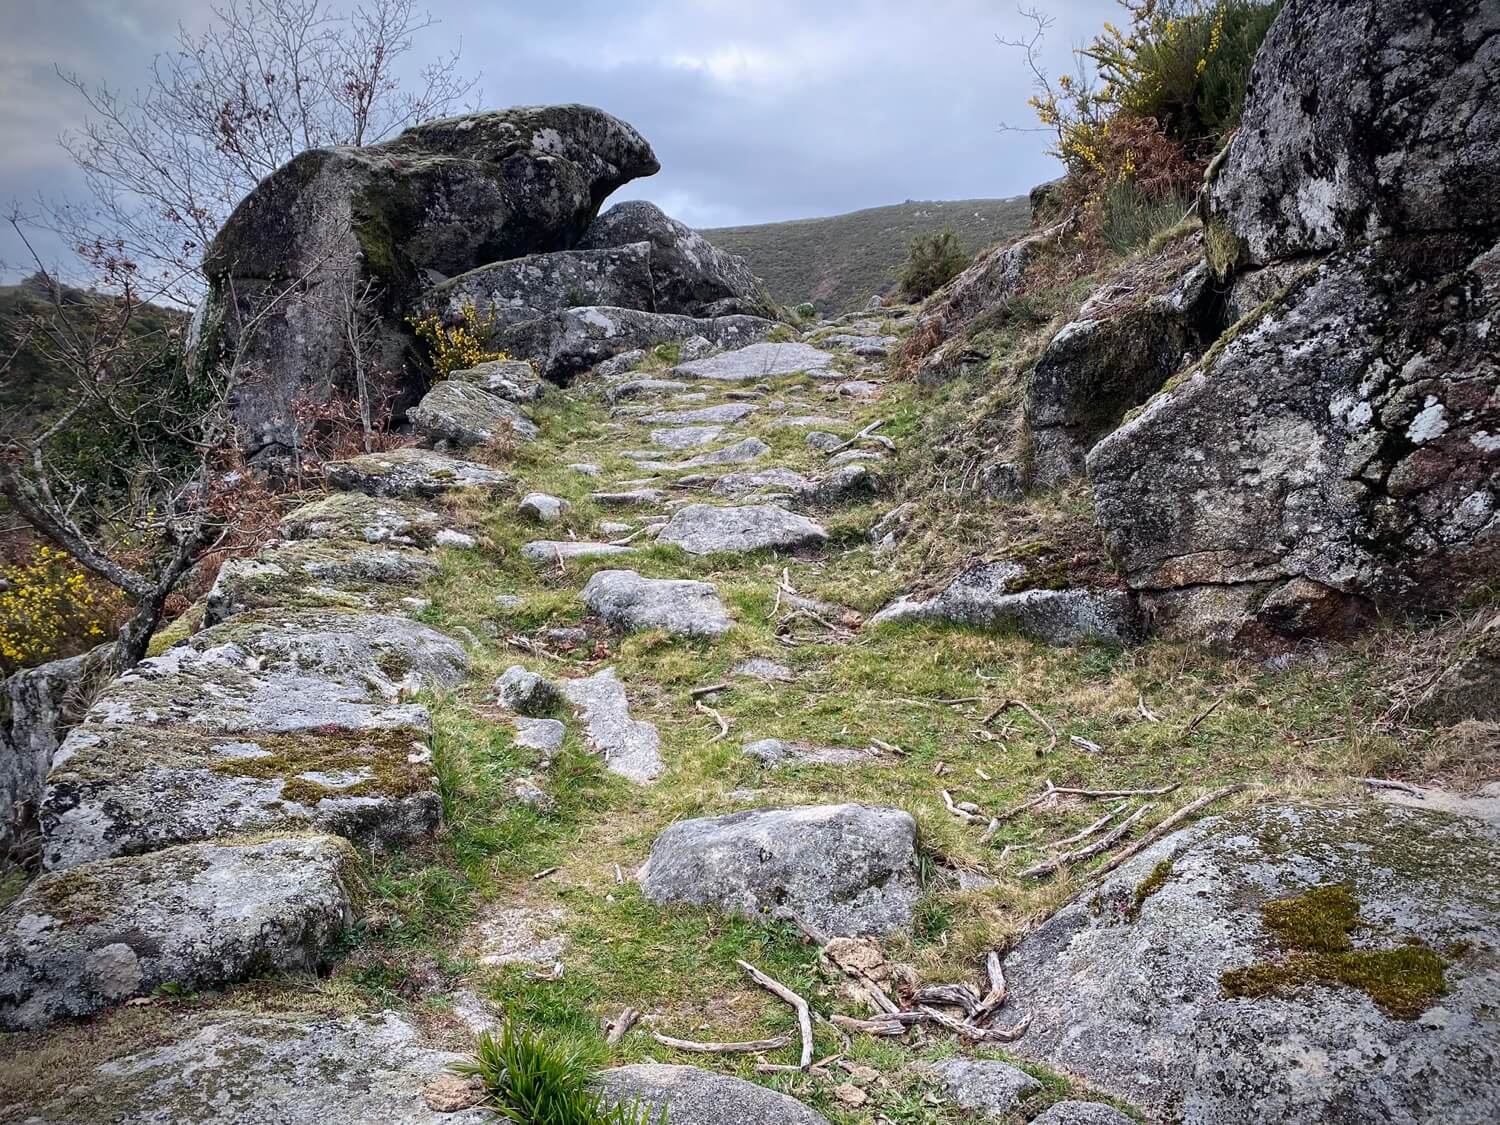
x=859 y=437
x=754 y=1046
x=967 y=811
x=1166 y=826
x=949 y=995
x=716 y=717
x=1024 y=706
x=1192 y=726
x=995 y=997
x=878 y=1027
x=804 y=1014
x=1047 y=867
x=621 y=1025
x=710 y=689
x=1024 y=805
x=1146 y=713
x=975 y=1033
x=1086 y=833
x=1399 y=786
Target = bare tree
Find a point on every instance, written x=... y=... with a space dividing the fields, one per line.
x=223 y=109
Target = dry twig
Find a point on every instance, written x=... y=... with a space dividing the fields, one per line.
x=804 y=1013
x=1048 y=866
x=748 y=1048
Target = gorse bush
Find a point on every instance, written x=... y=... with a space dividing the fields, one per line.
x=49 y=608
x=457 y=347
x=932 y=261
x=532 y=1081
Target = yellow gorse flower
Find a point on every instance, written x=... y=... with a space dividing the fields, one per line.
x=460 y=346
x=47 y=603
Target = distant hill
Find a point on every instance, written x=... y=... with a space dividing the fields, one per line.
x=838 y=262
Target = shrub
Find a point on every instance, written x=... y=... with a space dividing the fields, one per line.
x=537 y=1083
x=457 y=347
x=1132 y=219
x=50 y=608
x=933 y=260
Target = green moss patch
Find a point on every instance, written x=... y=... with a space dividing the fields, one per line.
x=1149 y=886
x=1314 y=929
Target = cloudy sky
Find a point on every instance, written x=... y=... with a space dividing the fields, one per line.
x=759 y=110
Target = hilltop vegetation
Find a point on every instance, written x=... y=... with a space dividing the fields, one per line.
x=839 y=261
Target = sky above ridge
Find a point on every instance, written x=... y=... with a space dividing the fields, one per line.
x=759 y=110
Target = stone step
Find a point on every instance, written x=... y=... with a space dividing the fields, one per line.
x=196 y=917
x=356 y=516
x=702 y=529
x=631 y=748
x=318 y=573
x=757 y=361
x=740 y=453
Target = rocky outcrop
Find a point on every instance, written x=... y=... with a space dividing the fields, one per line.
x=1202 y=983
x=409 y=473
x=701 y=529
x=439 y=200
x=1337 y=452
x=844 y=869
x=690 y=274
x=701 y=1097
x=33 y=722
x=317 y=573
x=464 y=414
x=525 y=288
x=677 y=606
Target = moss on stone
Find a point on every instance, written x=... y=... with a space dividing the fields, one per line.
x=1314 y=931
x=1148 y=887
x=184 y=626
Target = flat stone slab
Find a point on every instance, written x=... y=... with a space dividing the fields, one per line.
x=466 y=414
x=810 y=421
x=542 y=508
x=757 y=361
x=726 y=414
x=518 y=935
x=355 y=516
x=104 y=794
x=317 y=573
x=987 y=1086
x=637 y=497
x=777 y=752
x=1126 y=986
x=1059 y=617
x=631 y=603
x=630 y=748
x=701 y=1097
x=545 y=736
x=767 y=671
x=512 y=379
x=199 y=916
x=634 y=388
x=243 y=1068
x=778 y=480
x=686 y=437
x=845 y=869
x=411 y=473
x=544 y=551
x=740 y=453
x=701 y=529
x=873 y=347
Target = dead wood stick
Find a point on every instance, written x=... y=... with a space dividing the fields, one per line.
x=949 y=995
x=1047 y=867
x=989 y=833
x=748 y=1048
x=995 y=997
x=627 y=539
x=813 y=934
x=859 y=437
x=961 y=700
x=709 y=689
x=1398 y=786
x=888 y=747
x=775 y=605
x=1192 y=726
x=960 y=812
x=804 y=1013
x=1086 y=833
x=1146 y=713
x=1024 y=805
x=716 y=717
x=1107 y=793
x=1160 y=830
x=1030 y=710
x=870 y=1027
x=975 y=1033
x=621 y=1025
x=543 y=873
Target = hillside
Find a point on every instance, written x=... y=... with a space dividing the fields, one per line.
x=839 y=261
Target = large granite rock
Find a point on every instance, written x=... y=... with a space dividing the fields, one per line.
x=33 y=722
x=411 y=474
x=464 y=414
x=197 y=917
x=511 y=379
x=680 y=607
x=989 y=1087
x=562 y=344
x=245 y=1068
x=317 y=573
x=690 y=273
x=845 y=869
x=1344 y=444
x=440 y=199
x=525 y=288
x=1185 y=982
x=701 y=1097
x=701 y=529
x=357 y=516
x=757 y=361
x=1363 y=120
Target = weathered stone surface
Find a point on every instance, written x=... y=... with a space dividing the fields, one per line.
x=542 y=508
x=757 y=361
x=701 y=1097
x=411 y=474
x=630 y=748
x=872 y=347
x=634 y=388
x=689 y=272
x=704 y=415
x=823 y=441
x=239 y=1068
x=445 y=196
x=1412 y=148
x=701 y=529
x=846 y=869
x=629 y=603
x=1126 y=992
x=525 y=692
x=354 y=515
x=563 y=343
x=198 y=916
x=545 y=736
x=631 y=498
x=803 y=421
x=1081 y=1113
x=618 y=365
x=525 y=288
x=466 y=414
x=686 y=437
x=857 y=388
x=129 y=789
x=777 y=752
x=514 y=380
x=988 y=1086
x=317 y=573
x=740 y=453
x=519 y=934
x=33 y=723
x=776 y=480
x=565 y=550
x=767 y=671
x=1059 y=617
x=275 y=672
x=1348 y=436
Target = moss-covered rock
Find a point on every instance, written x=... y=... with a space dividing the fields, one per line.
x=357 y=516
x=317 y=573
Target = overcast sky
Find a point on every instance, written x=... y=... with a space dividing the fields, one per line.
x=759 y=110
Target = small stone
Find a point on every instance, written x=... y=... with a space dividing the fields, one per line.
x=636 y=497
x=525 y=692
x=768 y=671
x=542 y=508
x=1082 y=1113
x=858 y=388
x=823 y=441
x=993 y=1088
x=586 y=469
x=629 y=603
x=449 y=1093
x=565 y=636
x=544 y=551
x=532 y=795
x=545 y=736
x=850 y=1095
x=450 y=538
x=614 y=527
